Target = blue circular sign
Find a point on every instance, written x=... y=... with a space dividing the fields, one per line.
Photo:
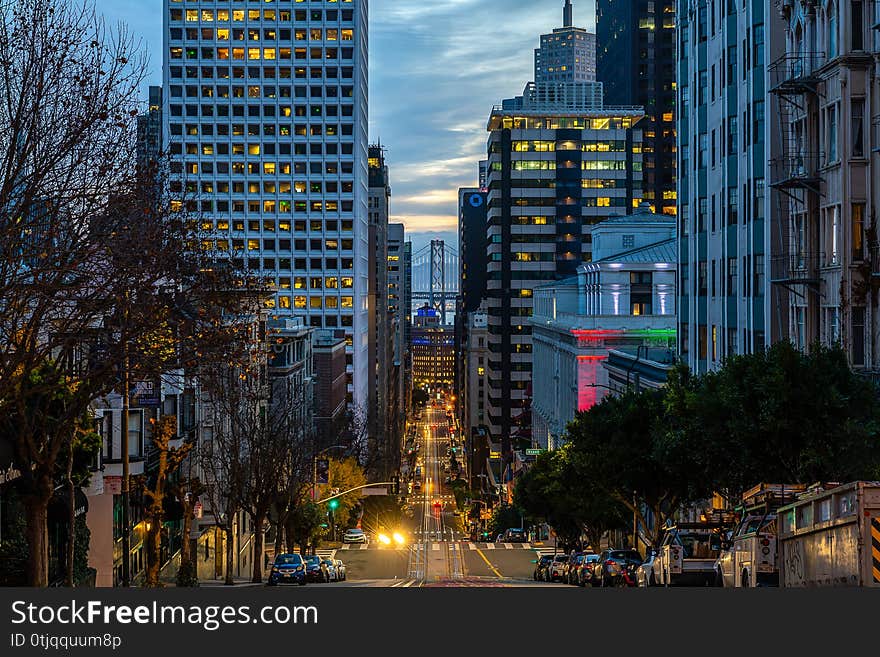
x=476 y=200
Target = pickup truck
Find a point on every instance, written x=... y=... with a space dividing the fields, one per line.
x=686 y=557
x=749 y=553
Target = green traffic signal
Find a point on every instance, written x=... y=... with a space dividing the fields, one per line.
x=333 y=504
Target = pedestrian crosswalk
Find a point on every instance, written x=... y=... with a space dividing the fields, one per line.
x=436 y=543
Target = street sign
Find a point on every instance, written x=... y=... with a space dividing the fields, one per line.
x=534 y=452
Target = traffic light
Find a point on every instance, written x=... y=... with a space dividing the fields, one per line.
x=333 y=504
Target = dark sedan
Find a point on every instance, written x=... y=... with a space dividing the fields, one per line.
x=316 y=570
x=287 y=569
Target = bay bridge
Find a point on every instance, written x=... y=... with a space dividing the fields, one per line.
x=435 y=278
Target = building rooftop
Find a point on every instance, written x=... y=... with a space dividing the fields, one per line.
x=664 y=251
x=642 y=215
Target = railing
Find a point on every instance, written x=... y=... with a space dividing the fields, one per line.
x=795 y=170
x=794 y=72
x=796 y=268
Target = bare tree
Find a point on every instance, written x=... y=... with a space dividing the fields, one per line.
x=86 y=246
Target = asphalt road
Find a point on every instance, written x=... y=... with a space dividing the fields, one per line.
x=438 y=552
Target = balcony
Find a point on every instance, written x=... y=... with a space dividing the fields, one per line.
x=794 y=74
x=796 y=269
x=796 y=171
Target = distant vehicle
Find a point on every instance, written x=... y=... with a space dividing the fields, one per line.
x=575 y=561
x=541 y=566
x=341 y=574
x=556 y=569
x=515 y=535
x=287 y=569
x=354 y=536
x=316 y=570
x=612 y=564
x=417 y=485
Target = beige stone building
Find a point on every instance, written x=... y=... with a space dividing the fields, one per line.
x=823 y=183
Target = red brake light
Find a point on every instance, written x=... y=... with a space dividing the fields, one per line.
x=609 y=562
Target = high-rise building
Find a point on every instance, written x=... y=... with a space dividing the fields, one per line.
x=724 y=305
x=472 y=292
x=149 y=131
x=636 y=65
x=433 y=350
x=824 y=180
x=381 y=322
x=397 y=382
x=568 y=54
x=406 y=301
x=265 y=118
x=553 y=172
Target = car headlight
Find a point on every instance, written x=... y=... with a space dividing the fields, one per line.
x=299 y=569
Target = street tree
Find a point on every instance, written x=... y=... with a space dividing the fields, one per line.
x=615 y=447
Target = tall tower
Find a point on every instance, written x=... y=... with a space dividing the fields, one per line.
x=635 y=61
x=271 y=135
x=567 y=14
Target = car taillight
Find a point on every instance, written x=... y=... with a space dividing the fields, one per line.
x=609 y=563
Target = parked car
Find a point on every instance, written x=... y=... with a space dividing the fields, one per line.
x=354 y=536
x=341 y=574
x=515 y=535
x=287 y=569
x=573 y=567
x=556 y=569
x=330 y=569
x=586 y=572
x=612 y=563
x=541 y=566
x=645 y=576
x=316 y=570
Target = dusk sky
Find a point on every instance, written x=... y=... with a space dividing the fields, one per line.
x=436 y=70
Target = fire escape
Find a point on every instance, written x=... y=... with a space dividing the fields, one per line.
x=795 y=173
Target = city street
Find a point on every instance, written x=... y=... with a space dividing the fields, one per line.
x=439 y=553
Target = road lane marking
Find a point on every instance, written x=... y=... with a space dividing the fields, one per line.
x=435 y=546
x=490 y=546
x=507 y=546
x=491 y=567
x=471 y=546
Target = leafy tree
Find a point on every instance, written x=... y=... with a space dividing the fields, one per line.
x=614 y=445
x=304 y=526
x=778 y=415
x=556 y=490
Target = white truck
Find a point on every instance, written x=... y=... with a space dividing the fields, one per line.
x=831 y=537
x=749 y=553
x=687 y=556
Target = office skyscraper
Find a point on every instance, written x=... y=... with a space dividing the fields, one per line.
x=554 y=170
x=636 y=65
x=265 y=117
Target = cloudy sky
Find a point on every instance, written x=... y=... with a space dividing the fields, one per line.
x=436 y=69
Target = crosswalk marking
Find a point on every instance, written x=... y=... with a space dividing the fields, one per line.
x=490 y=546
x=435 y=546
x=507 y=546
